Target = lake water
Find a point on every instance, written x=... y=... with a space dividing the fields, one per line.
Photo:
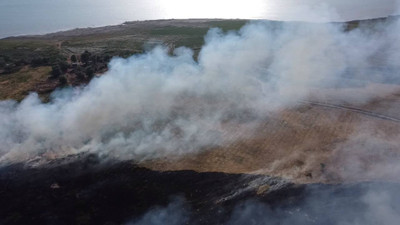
x=42 y=16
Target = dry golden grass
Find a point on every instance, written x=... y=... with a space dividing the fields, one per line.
x=17 y=85
x=300 y=144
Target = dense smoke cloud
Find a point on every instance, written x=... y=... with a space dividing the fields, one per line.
x=155 y=105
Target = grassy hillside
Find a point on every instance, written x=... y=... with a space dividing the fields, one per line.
x=26 y=62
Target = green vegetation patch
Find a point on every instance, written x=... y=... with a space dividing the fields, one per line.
x=15 y=54
x=14 y=50
x=180 y=31
x=227 y=25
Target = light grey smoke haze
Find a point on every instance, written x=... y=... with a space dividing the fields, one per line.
x=176 y=213
x=155 y=105
x=375 y=205
x=330 y=10
x=370 y=153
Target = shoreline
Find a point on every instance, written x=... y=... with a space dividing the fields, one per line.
x=119 y=25
x=110 y=27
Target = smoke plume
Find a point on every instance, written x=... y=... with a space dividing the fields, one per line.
x=156 y=105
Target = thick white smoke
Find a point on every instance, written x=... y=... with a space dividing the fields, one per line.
x=155 y=105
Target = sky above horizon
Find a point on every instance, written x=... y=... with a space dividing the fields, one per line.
x=41 y=16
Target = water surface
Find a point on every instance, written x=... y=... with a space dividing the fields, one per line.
x=42 y=16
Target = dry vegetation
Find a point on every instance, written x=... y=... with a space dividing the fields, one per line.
x=302 y=144
x=17 y=85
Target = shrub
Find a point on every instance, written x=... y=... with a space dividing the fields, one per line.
x=89 y=72
x=73 y=58
x=63 y=66
x=55 y=71
x=85 y=56
x=2 y=62
x=39 y=61
x=62 y=80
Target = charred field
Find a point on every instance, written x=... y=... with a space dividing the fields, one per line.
x=82 y=190
x=202 y=121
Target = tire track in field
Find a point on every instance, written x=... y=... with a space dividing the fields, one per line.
x=353 y=109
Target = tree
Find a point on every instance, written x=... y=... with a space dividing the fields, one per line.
x=94 y=58
x=62 y=80
x=106 y=58
x=38 y=61
x=63 y=66
x=55 y=70
x=89 y=72
x=80 y=75
x=85 y=56
x=2 y=62
x=73 y=58
x=21 y=62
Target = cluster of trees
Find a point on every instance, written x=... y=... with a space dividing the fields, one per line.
x=11 y=66
x=58 y=70
x=13 y=60
x=84 y=66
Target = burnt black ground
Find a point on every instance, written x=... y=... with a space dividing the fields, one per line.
x=85 y=191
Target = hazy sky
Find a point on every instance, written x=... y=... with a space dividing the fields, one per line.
x=39 y=16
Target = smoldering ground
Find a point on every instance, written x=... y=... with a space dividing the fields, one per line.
x=356 y=204
x=125 y=194
x=362 y=204
x=155 y=105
